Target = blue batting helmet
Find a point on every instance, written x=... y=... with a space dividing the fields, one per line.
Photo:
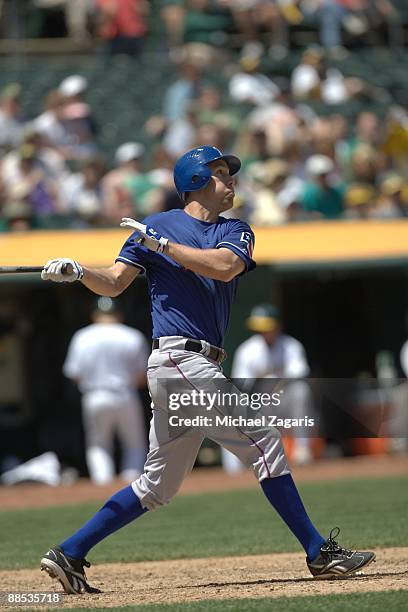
x=191 y=171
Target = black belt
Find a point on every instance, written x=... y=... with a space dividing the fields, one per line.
x=214 y=352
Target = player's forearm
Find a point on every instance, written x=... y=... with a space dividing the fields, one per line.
x=102 y=281
x=217 y=264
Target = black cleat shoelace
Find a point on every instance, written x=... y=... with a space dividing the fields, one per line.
x=331 y=546
x=79 y=564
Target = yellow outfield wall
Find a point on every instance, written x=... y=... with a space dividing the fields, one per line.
x=315 y=242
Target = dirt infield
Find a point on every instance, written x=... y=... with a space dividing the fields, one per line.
x=245 y=577
x=190 y=580
x=204 y=480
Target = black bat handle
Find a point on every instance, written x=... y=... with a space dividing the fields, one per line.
x=67 y=269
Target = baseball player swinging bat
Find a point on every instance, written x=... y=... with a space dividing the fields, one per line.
x=193 y=259
x=66 y=269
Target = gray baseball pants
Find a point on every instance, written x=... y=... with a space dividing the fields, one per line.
x=172 y=453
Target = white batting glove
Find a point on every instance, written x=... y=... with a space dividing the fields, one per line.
x=147 y=237
x=62 y=270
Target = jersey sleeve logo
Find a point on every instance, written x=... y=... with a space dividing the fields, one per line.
x=248 y=243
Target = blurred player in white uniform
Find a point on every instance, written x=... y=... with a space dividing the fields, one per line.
x=108 y=361
x=271 y=354
x=398 y=424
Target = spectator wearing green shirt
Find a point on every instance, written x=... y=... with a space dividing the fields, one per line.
x=322 y=197
x=206 y=22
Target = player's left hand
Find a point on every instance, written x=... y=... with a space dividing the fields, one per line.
x=147 y=236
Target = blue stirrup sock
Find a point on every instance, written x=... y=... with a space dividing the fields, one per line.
x=120 y=509
x=284 y=497
x=124 y=507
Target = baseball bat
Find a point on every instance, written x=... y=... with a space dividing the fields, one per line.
x=66 y=269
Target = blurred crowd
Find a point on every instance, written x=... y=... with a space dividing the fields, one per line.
x=124 y=25
x=301 y=160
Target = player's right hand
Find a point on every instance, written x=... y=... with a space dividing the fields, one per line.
x=56 y=270
x=147 y=236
